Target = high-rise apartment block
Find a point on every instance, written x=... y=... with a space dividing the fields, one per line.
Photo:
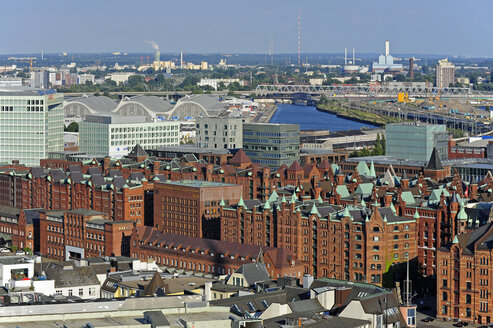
x=115 y=135
x=445 y=73
x=272 y=144
x=31 y=124
x=416 y=141
x=219 y=133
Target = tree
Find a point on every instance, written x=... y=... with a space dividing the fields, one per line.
x=72 y=127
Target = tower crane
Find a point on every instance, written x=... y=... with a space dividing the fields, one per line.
x=30 y=60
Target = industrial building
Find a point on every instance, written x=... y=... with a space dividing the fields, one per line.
x=416 y=141
x=115 y=135
x=386 y=62
x=272 y=144
x=31 y=124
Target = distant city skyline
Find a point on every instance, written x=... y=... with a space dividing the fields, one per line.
x=422 y=27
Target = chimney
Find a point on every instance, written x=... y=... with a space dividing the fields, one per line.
x=340 y=179
x=387 y=48
x=155 y=168
x=387 y=199
x=473 y=191
x=307 y=281
x=207 y=291
x=106 y=165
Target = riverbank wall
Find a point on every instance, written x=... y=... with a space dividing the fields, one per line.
x=349 y=117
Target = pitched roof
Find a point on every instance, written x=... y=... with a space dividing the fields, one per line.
x=434 y=163
x=155 y=283
x=240 y=158
x=295 y=167
x=138 y=152
x=254 y=272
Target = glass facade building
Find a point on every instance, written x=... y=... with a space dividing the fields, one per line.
x=31 y=124
x=416 y=141
x=116 y=136
x=272 y=144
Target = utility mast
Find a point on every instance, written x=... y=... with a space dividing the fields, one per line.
x=299 y=38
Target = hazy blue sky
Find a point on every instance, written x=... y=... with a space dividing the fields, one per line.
x=327 y=26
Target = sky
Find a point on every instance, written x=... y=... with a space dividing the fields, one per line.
x=451 y=27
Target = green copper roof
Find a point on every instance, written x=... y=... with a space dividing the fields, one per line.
x=267 y=205
x=222 y=203
x=416 y=215
x=462 y=214
x=241 y=203
x=363 y=202
x=342 y=191
x=314 y=210
x=456 y=240
x=392 y=207
x=372 y=170
x=320 y=200
x=283 y=199
x=346 y=213
x=362 y=169
x=408 y=197
x=293 y=199
x=273 y=197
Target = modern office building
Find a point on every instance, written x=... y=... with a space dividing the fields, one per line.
x=416 y=141
x=219 y=132
x=272 y=144
x=40 y=79
x=31 y=124
x=115 y=135
x=445 y=74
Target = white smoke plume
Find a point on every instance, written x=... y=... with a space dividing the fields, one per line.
x=153 y=44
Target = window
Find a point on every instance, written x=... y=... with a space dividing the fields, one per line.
x=376 y=248
x=444 y=296
x=468 y=299
x=444 y=283
x=468 y=312
x=468 y=285
x=376 y=229
x=70 y=292
x=411 y=317
x=379 y=323
x=376 y=238
x=58 y=292
x=81 y=292
x=444 y=309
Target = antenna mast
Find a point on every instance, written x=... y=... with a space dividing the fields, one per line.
x=299 y=38
x=271 y=50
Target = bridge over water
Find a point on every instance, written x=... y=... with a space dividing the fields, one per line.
x=364 y=91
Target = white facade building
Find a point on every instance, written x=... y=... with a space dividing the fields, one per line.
x=31 y=124
x=115 y=135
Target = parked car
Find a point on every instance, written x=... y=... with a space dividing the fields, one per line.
x=4 y=250
x=20 y=252
x=428 y=319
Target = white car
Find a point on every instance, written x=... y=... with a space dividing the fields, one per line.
x=20 y=253
x=4 y=250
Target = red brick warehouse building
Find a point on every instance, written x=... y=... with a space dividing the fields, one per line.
x=191 y=207
x=82 y=233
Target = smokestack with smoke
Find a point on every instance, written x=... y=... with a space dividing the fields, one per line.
x=153 y=44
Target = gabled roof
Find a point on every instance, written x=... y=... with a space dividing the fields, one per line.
x=434 y=163
x=253 y=273
x=155 y=283
x=295 y=167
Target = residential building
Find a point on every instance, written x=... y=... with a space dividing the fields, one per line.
x=464 y=267
x=219 y=132
x=71 y=280
x=115 y=135
x=31 y=124
x=445 y=74
x=191 y=207
x=271 y=144
x=416 y=141
x=40 y=80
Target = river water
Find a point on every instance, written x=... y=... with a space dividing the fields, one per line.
x=309 y=118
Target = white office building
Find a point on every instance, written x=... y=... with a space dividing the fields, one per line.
x=31 y=124
x=115 y=135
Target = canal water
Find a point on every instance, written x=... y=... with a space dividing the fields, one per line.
x=309 y=118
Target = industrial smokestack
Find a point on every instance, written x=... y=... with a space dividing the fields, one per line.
x=156 y=47
x=387 y=48
x=353 y=58
x=181 y=60
x=345 y=56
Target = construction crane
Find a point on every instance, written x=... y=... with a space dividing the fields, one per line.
x=30 y=60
